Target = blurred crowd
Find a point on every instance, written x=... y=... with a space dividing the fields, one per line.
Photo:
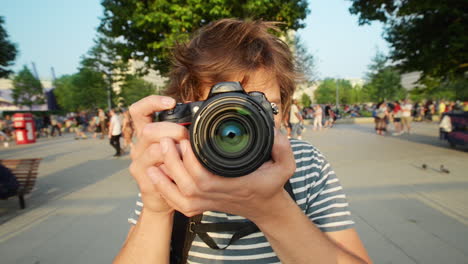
x=400 y=114
x=84 y=124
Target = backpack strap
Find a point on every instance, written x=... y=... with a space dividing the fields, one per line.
x=185 y=229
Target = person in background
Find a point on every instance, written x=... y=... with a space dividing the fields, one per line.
x=441 y=108
x=102 y=122
x=318 y=117
x=80 y=127
x=329 y=116
x=396 y=113
x=380 y=118
x=55 y=125
x=127 y=130
x=115 y=131
x=96 y=124
x=406 y=118
x=3 y=136
x=296 y=120
x=46 y=125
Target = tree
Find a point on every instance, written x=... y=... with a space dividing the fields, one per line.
x=27 y=90
x=84 y=90
x=149 y=29
x=383 y=81
x=103 y=58
x=437 y=88
x=65 y=93
x=424 y=35
x=305 y=61
x=326 y=92
x=305 y=100
x=7 y=51
x=134 y=89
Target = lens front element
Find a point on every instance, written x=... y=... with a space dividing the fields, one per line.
x=231 y=137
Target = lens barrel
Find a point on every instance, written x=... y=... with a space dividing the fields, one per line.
x=232 y=135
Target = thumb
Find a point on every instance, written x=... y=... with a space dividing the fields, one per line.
x=282 y=152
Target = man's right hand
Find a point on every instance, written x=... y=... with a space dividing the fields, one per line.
x=147 y=151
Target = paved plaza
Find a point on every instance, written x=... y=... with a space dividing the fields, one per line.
x=405 y=214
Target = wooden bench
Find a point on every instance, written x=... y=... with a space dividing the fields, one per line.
x=25 y=171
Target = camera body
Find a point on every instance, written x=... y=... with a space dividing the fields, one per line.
x=231 y=132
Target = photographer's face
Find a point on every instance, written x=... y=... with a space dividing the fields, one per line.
x=260 y=81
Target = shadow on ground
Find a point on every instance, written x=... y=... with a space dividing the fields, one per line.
x=53 y=186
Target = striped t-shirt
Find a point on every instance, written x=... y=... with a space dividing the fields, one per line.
x=317 y=192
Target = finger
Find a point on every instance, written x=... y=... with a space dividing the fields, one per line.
x=143 y=110
x=152 y=157
x=176 y=169
x=153 y=132
x=204 y=179
x=282 y=151
x=174 y=197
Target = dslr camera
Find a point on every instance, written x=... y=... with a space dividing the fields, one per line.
x=231 y=132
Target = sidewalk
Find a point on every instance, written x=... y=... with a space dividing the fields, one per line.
x=78 y=211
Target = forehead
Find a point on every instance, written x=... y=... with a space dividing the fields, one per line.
x=260 y=81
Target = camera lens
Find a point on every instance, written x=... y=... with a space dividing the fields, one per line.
x=232 y=135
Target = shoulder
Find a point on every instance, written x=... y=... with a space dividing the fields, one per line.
x=309 y=161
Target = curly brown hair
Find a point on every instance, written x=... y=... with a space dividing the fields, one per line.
x=227 y=47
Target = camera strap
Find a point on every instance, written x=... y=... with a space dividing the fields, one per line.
x=185 y=229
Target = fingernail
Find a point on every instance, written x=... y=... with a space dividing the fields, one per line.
x=167 y=101
x=153 y=175
x=164 y=146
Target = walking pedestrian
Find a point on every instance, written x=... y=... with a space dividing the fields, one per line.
x=296 y=120
x=115 y=131
x=318 y=117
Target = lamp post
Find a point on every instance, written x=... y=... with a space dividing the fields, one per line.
x=337 y=94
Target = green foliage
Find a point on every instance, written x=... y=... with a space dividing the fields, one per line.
x=149 y=29
x=347 y=94
x=436 y=89
x=103 y=58
x=134 y=89
x=7 y=51
x=305 y=100
x=27 y=90
x=424 y=35
x=84 y=90
x=383 y=82
x=326 y=92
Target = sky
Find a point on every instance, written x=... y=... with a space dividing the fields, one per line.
x=56 y=33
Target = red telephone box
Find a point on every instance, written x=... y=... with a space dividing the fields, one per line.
x=25 y=130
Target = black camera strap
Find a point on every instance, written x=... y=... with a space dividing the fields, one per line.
x=185 y=229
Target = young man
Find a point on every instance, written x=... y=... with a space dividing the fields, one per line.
x=315 y=227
